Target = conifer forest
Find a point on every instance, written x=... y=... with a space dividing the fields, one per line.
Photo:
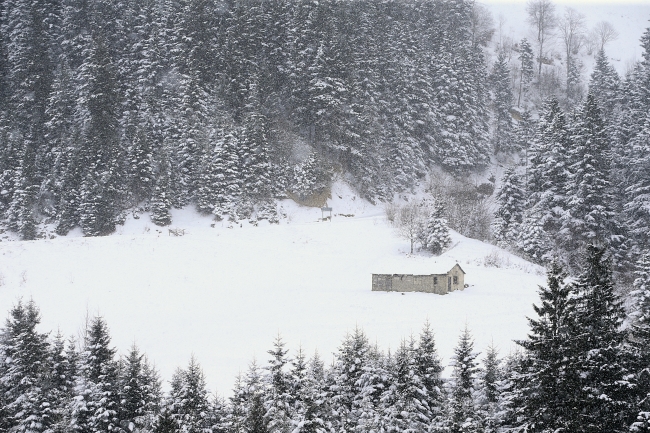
x=110 y=108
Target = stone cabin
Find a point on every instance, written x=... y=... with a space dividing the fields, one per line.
x=434 y=283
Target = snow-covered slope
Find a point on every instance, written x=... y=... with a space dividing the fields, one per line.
x=223 y=293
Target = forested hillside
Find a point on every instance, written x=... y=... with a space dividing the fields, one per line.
x=109 y=105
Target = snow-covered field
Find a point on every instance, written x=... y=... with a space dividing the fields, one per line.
x=223 y=294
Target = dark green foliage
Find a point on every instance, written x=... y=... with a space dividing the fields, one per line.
x=502 y=140
x=463 y=414
x=547 y=378
x=509 y=215
x=26 y=400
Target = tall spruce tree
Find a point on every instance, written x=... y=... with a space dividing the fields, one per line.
x=590 y=217
x=96 y=402
x=604 y=395
x=27 y=402
x=463 y=416
x=639 y=344
x=546 y=387
x=502 y=139
x=509 y=215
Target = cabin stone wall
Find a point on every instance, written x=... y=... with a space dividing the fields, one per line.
x=434 y=283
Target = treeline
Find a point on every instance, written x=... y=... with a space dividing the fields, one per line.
x=107 y=105
x=585 y=176
x=578 y=370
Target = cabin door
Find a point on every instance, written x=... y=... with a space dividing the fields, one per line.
x=449 y=284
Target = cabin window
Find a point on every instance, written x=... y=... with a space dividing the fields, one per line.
x=435 y=280
x=455 y=280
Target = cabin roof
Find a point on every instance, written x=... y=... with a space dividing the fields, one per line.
x=461 y=269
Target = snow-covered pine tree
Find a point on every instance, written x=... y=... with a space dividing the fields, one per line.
x=639 y=343
x=26 y=400
x=549 y=168
x=277 y=399
x=527 y=71
x=254 y=419
x=345 y=390
x=589 y=217
x=463 y=416
x=603 y=395
x=605 y=85
x=161 y=193
x=524 y=132
x=310 y=176
x=96 y=394
x=405 y=405
x=533 y=240
x=490 y=398
x=574 y=86
x=430 y=369
x=376 y=401
x=229 y=178
x=638 y=187
x=510 y=213
x=546 y=388
x=60 y=382
x=188 y=403
x=502 y=139
x=435 y=232
x=62 y=132
x=139 y=392
x=309 y=408
x=101 y=184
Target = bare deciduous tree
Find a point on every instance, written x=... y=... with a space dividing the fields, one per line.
x=571 y=27
x=482 y=25
x=409 y=221
x=541 y=15
x=604 y=32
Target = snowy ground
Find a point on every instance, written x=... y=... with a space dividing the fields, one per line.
x=223 y=293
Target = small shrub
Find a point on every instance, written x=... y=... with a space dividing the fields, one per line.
x=493 y=260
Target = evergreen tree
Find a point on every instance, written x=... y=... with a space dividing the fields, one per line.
x=188 y=403
x=96 y=402
x=548 y=174
x=60 y=381
x=509 y=215
x=430 y=369
x=490 y=399
x=502 y=140
x=527 y=71
x=278 y=397
x=139 y=392
x=345 y=390
x=637 y=187
x=640 y=343
x=435 y=232
x=100 y=185
x=605 y=85
x=463 y=416
x=310 y=409
x=589 y=216
x=160 y=199
x=405 y=404
x=546 y=387
x=604 y=395
x=26 y=400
